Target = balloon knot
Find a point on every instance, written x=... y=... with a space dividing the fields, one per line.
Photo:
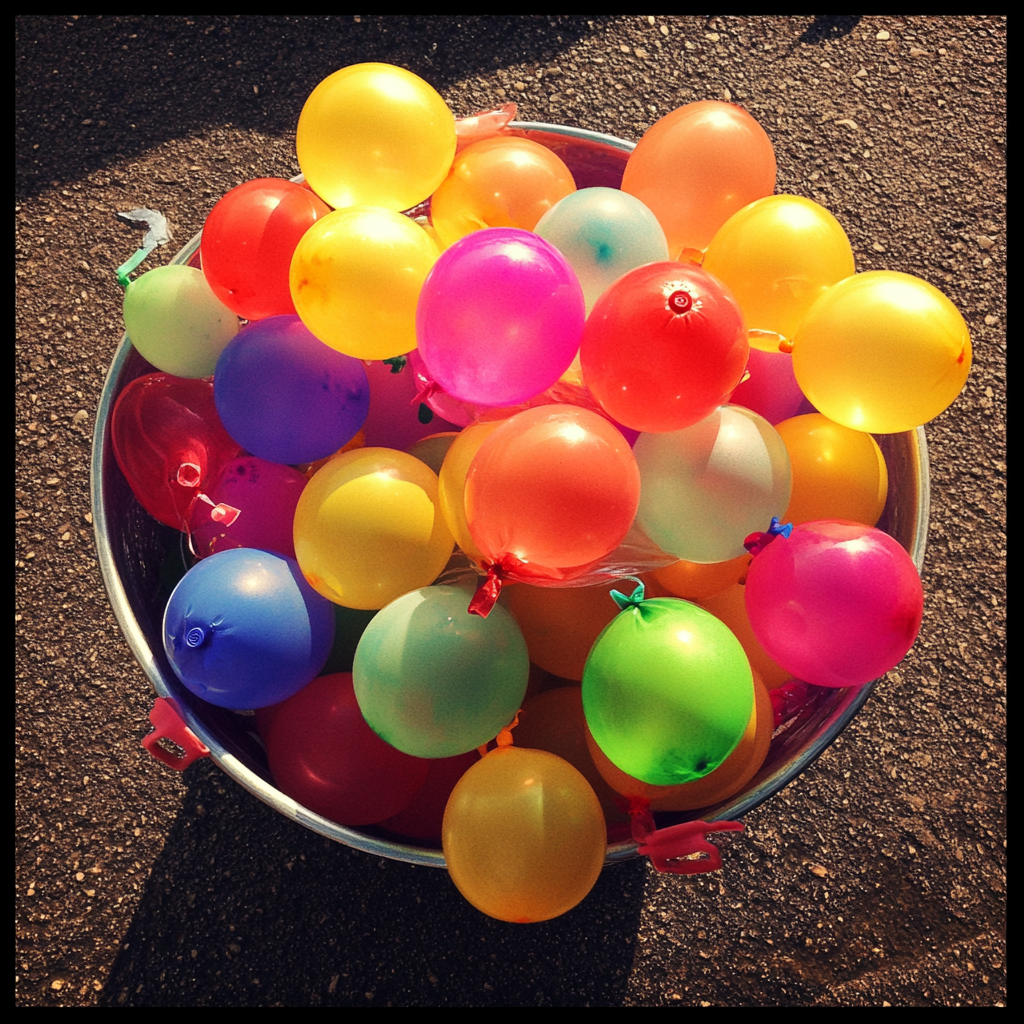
x=786 y=345
x=757 y=542
x=189 y=474
x=504 y=738
x=486 y=595
x=425 y=393
x=685 y=849
x=680 y=302
x=397 y=363
x=634 y=600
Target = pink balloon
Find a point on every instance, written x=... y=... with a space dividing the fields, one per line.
x=500 y=317
x=771 y=389
x=395 y=419
x=250 y=504
x=836 y=603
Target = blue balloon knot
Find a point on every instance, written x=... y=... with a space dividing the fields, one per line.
x=195 y=637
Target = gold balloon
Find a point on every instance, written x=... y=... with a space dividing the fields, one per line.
x=882 y=352
x=368 y=529
x=838 y=473
x=452 y=492
x=375 y=135
x=523 y=835
x=778 y=255
x=356 y=277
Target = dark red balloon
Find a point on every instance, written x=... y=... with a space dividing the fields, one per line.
x=324 y=755
x=663 y=346
x=248 y=241
x=169 y=442
x=422 y=818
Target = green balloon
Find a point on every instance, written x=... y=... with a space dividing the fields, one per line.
x=176 y=322
x=435 y=681
x=667 y=691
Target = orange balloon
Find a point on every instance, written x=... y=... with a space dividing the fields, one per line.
x=696 y=167
x=452 y=482
x=504 y=182
x=523 y=835
x=554 y=721
x=838 y=472
x=695 y=581
x=560 y=624
x=725 y=781
x=551 y=491
x=730 y=606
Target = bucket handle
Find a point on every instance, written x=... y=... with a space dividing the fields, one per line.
x=169 y=725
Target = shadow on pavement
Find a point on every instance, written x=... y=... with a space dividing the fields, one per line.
x=301 y=920
x=175 y=76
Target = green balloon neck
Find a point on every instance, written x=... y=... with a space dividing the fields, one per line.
x=634 y=600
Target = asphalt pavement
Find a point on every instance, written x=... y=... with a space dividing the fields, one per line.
x=878 y=878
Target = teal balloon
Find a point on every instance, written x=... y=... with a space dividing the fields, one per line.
x=603 y=233
x=667 y=691
x=435 y=681
x=176 y=322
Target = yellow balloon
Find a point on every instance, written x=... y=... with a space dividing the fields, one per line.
x=838 y=473
x=882 y=352
x=453 y=482
x=523 y=835
x=368 y=529
x=375 y=135
x=778 y=255
x=356 y=277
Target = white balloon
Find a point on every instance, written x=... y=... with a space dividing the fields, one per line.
x=704 y=489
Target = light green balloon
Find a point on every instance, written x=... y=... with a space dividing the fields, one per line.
x=435 y=681
x=667 y=691
x=176 y=322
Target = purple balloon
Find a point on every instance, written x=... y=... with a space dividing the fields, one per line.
x=771 y=389
x=250 y=504
x=836 y=603
x=500 y=317
x=285 y=396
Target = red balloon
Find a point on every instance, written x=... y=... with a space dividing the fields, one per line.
x=663 y=346
x=551 y=491
x=169 y=442
x=422 y=818
x=323 y=754
x=248 y=241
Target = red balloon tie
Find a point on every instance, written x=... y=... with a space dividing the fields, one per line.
x=486 y=595
x=426 y=392
x=757 y=542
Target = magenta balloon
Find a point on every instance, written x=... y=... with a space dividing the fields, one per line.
x=771 y=389
x=836 y=603
x=500 y=317
x=395 y=419
x=250 y=504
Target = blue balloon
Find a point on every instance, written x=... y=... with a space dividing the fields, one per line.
x=243 y=629
x=285 y=396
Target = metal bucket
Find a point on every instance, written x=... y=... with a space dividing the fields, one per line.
x=132 y=548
